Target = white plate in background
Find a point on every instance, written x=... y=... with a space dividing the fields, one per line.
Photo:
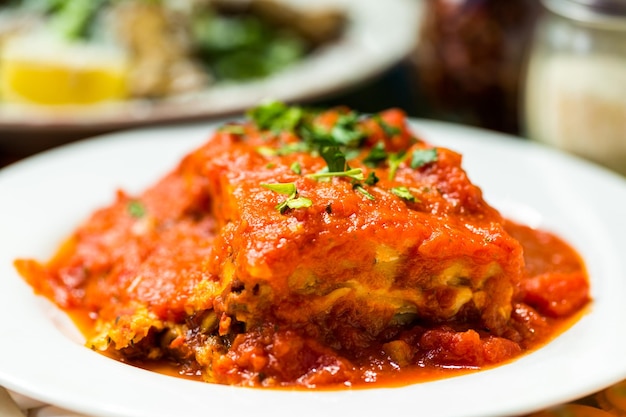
x=379 y=34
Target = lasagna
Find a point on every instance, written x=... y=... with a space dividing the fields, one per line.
x=311 y=248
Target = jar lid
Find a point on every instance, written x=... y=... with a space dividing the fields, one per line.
x=600 y=12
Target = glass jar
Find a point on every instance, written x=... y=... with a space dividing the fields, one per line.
x=470 y=58
x=575 y=89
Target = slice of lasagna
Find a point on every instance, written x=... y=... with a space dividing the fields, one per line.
x=300 y=248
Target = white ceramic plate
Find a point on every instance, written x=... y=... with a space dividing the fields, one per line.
x=378 y=35
x=41 y=355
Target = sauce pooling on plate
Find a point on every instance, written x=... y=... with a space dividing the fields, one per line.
x=313 y=249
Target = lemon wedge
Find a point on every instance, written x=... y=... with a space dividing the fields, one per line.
x=46 y=71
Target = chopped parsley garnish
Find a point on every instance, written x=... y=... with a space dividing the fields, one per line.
x=296 y=168
x=377 y=155
x=335 y=159
x=363 y=191
x=395 y=159
x=333 y=143
x=293 y=201
x=336 y=144
x=288 y=188
x=345 y=133
x=287 y=149
x=351 y=153
x=276 y=116
x=355 y=174
x=266 y=151
x=346 y=130
x=372 y=179
x=422 y=157
x=136 y=209
x=404 y=193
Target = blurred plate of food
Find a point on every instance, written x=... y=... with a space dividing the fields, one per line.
x=85 y=65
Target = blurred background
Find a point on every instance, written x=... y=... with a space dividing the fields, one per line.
x=552 y=71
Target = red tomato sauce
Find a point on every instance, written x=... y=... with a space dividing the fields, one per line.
x=548 y=259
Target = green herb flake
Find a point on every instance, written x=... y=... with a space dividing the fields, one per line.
x=395 y=159
x=377 y=155
x=276 y=116
x=296 y=168
x=346 y=130
x=335 y=159
x=293 y=201
x=404 y=193
x=136 y=209
x=284 y=150
x=355 y=174
x=351 y=154
x=282 y=207
x=299 y=202
x=292 y=148
x=363 y=191
x=288 y=188
x=372 y=179
x=266 y=151
x=422 y=157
